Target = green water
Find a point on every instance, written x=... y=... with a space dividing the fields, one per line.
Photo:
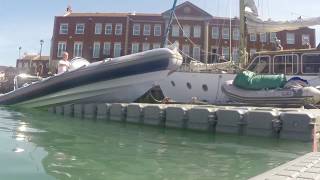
x=39 y=146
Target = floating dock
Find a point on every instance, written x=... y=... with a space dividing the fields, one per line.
x=306 y=167
x=282 y=123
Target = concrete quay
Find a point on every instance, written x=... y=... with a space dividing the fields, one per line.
x=282 y=123
x=306 y=167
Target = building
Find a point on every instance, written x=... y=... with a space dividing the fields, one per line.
x=33 y=64
x=96 y=36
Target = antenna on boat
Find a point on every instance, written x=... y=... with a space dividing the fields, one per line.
x=165 y=38
x=243 y=36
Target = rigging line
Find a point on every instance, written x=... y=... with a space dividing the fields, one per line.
x=194 y=44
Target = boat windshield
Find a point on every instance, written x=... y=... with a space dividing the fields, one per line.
x=260 y=64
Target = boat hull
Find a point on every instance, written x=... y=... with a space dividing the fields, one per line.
x=213 y=95
x=122 y=79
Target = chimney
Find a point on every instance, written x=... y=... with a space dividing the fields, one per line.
x=68 y=11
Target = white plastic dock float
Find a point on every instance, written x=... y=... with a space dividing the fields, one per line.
x=295 y=124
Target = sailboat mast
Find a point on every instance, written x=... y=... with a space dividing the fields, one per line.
x=243 y=36
x=166 y=34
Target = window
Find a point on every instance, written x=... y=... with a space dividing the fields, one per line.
x=186 y=30
x=290 y=38
x=118 y=30
x=225 y=33
x=106 y=49
x=98 y=28
x=79 y=28
x=196 y=52
x=235 y=54
x=260 y=64
x=305 y=39
x=156 y=45
x=146 y=30
x=225 y=52
x=108 y=29
x=273 y=37
x=145 y=46
x=175 y=31
x=117 y=49
x=63 y=28
x=197 y=31
x=253 y=37
x=96 y=50
x=62 y=46
x=136 y=29
x=185 y=50
x=215 y=32
x=135 y=48
x=310 y=63
x=263 y=37
x=285 y=64
x=77 y=49
x=157 y=30
x=236 y=34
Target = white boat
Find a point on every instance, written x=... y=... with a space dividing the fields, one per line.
x=205 y=83
x=283 y=96
x=122 y=79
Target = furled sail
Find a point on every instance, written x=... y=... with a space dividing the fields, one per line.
x=256 y=25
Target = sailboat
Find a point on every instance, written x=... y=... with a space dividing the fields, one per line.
x=183 y=86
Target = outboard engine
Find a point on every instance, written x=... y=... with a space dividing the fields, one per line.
x=78 y=62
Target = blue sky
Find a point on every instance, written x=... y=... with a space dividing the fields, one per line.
x=25 y=22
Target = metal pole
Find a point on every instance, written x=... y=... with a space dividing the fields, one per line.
x=20 y=52
x=41 y=43
x=243 y=37
x=165 y=38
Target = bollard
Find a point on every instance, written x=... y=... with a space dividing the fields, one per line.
x=90 y=111
x=201 y=118
x=154 y=115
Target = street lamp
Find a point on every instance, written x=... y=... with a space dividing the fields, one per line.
x=41 y=43
x=19 y=51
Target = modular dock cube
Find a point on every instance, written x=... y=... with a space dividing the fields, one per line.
x=297 y=126
x=135 y=113
x=103 y=111
x=90 y=111
x=59 y=110
x=176 y=117
x=68 y=110
x=118 y=112
x=201 y=118
x=154 y=115
x=78 y=111
x=230 y=121
x=263 y=123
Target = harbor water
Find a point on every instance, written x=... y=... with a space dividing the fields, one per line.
x=38 y=145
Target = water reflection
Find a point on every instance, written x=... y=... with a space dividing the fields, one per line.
x=83 y=149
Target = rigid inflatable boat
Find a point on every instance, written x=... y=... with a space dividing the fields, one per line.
x=281 y=96
x=122 y=79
